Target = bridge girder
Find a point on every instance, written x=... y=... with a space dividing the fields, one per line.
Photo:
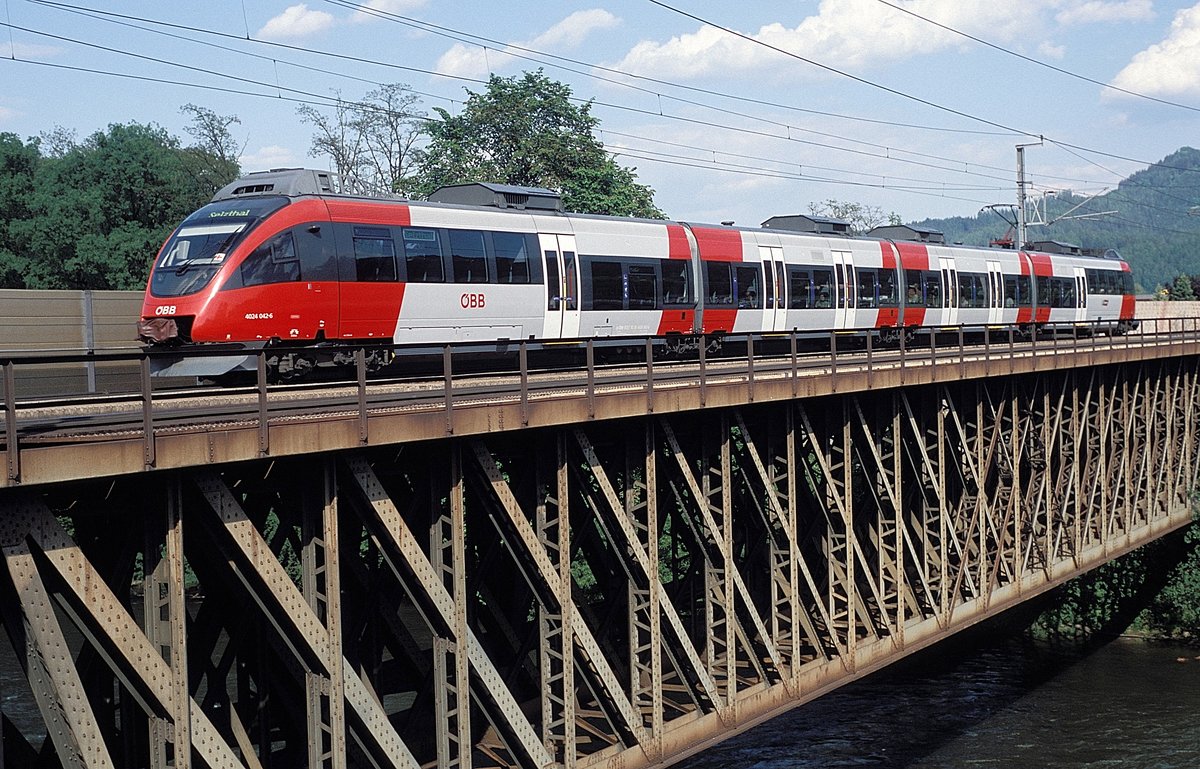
x=608 y=594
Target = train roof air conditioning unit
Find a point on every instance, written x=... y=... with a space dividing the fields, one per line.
x=498 y=196
x=291 y=182
x=821 y=225
x=907 y=232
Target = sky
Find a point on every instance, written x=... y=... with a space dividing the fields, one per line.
x=730 y=111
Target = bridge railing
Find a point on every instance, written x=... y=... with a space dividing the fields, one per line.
x=447 y=376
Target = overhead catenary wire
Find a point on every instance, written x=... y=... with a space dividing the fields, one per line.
x=1031 y=60
x=888 y=151
x=469 y=38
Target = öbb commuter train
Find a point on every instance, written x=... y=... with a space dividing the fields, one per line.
x=278 y=259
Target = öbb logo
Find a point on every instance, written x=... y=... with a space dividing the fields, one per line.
x=165 y=309
x=472 y=301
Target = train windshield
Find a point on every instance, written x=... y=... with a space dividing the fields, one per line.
x=197 y=250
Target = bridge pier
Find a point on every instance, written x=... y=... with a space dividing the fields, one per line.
x=613 y=593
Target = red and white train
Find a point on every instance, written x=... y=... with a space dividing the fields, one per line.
x=277 y=258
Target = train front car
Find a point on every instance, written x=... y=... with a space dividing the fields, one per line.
x=254 y=267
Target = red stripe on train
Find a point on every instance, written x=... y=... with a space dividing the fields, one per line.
x=1127 y=304
x=718 y=245
x=888 y=317
x=369 y=213
x=913 y=256
x=677 y=242
x=1042 y=266
x=677 y=321
x=719 y=320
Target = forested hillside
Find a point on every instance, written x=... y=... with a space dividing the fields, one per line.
x=1151 y=227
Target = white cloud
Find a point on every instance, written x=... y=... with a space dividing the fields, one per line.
x=1169 y=68
x=1094 y=11
x=848 y=34
x=32 y=50
x=1048 y=50
x=296 y=21
x=472 y=61
x=271 y=156
x=385 y=7
x=574 y=29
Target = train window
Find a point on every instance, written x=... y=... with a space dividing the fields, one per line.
x=643 y=287
x=822 y=289
x=1127 y=282
x=423 y=256
x=866 y=288
x=748 y=279
x=468 y=256
x=932 y=281
x=972 y=289
x=888 y=288
x=1018 y=291
x=769 y=284
x=512 y=257
x=608 y=286
x=676 y=282
x=718 y=283
x=553 y=286
x=914 y=294
x=569 y=292
x=801 y=281
x=273 y=262
x=374 y=254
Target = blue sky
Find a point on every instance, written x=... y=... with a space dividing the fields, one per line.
x=845 y=99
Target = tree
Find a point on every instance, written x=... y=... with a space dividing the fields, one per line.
x=372 y=142
x=94 y=217
x=862 y=218
x=527 y=131
x=1181 y=289
x=213 y=158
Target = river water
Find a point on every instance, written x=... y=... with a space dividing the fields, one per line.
x=1011 y=704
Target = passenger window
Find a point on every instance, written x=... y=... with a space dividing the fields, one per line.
x=374 y=254
x=933 y=289
x=468 y=256
x=823 y=289
x=273 y=262
x=888 y=296
x=801 y=289
x=608 y=290
x=423 y=256
x=512 y=257
x=866 y=288
x=676 y=282
x=718 y=283
x=553 y=285
x=747 y=288
x=643 y=287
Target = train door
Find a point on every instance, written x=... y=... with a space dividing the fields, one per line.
x=950 y=297
x=1081 y=289
x=995 y=293
x=843 y=276
x=774 y=288
x=562 y=286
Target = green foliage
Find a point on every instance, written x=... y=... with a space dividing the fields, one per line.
x=1175 y=611
x=527 y=131
x=1151 y=229
x=1181 y=289
x=93 y=215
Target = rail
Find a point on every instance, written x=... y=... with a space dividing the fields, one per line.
x=136 y=403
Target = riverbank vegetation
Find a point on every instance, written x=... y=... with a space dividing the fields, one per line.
x=1152 y=592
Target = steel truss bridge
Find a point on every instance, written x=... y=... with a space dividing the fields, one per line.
x=600 y=573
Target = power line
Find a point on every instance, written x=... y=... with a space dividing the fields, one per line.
x=887 y=152
x=1031 y=60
